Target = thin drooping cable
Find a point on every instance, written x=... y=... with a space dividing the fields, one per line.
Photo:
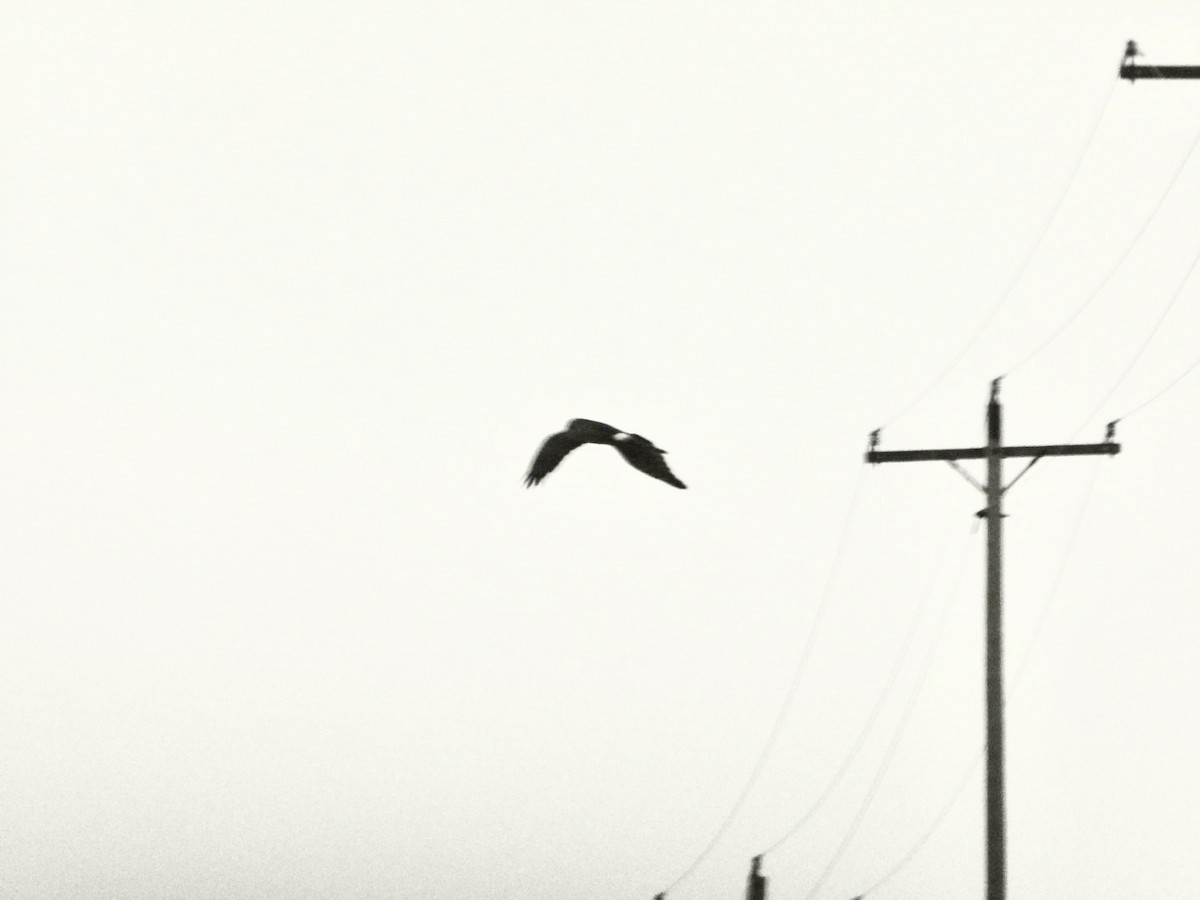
x=801 y=665
x=962 y=783
x=1087 y=300
x=1044 y=612
x=1170 y=384
x=890 y=682
x=950 y=803
x=1145 y=343
x=1020 y=272
x=890 y=752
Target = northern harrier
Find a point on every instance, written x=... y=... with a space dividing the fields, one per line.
x=638 y=452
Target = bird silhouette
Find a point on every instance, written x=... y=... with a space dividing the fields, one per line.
x=638 y=452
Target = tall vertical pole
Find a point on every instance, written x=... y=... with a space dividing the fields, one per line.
x=994 y=676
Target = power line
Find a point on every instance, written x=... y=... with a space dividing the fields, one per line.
x=1054 y=584
x=777 y=727
x=1170 y=384
x=1020 y=272
x=937 y=821
x=962 y=783
x=890 y=752
x=860 y=740
x=1120 y=261
x=1145 y=343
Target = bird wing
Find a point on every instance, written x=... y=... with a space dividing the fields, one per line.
x=643 y=455
x=552 y=451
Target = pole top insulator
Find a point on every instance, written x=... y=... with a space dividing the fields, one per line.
x=996 y=387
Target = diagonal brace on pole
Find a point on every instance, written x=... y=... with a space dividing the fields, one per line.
x=965 y=474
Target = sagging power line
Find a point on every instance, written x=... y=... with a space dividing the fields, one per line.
x=1019 y=273
x=993 y=452
x=797 y=676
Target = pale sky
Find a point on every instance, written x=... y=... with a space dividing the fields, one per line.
x=293 y=291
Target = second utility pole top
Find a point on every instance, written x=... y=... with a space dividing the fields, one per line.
x=1131 y=71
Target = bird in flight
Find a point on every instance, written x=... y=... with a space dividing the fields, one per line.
x=638 y=452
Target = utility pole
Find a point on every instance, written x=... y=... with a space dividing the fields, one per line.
x=994 y=453
x=756 y=883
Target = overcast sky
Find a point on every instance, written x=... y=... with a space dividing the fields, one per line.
x=293 y=291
